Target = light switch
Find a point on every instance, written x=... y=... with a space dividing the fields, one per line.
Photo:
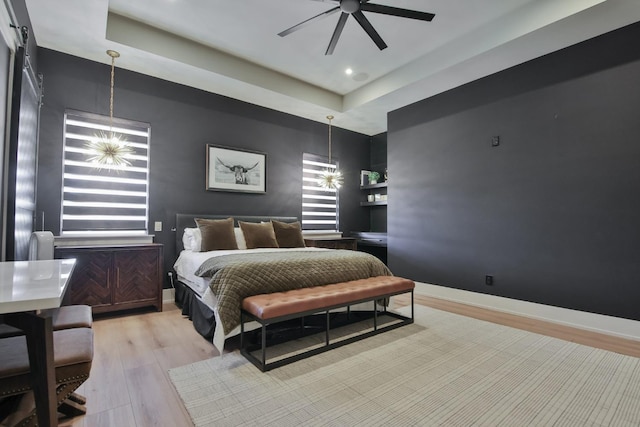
x=157 y=226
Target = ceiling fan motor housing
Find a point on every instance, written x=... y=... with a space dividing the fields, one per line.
x=349 y=6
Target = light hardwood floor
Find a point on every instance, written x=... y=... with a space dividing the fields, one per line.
x=129 y=384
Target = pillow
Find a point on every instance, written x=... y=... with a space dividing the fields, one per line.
x=240 y=238
x=217 y=234
x=288 y=235
x=192 y=239
x=258 y=235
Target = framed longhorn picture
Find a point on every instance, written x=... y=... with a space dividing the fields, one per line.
x=233 y=169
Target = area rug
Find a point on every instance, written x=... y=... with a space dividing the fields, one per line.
x=444 y=370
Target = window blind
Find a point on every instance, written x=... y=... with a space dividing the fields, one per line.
x=100 y=201
x=319 y=205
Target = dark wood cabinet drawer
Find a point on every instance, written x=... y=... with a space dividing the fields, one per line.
x=332 y=243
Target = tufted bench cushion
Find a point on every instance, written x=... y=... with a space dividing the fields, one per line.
x=269 y=306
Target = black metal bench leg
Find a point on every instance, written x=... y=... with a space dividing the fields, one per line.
x=412 y=306
x=375 y=315
x=241 y=330
x=264 y=346
x=327 y=329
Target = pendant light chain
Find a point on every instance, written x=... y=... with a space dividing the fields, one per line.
x=113 y=54
x=330 y=118
x=113 y=74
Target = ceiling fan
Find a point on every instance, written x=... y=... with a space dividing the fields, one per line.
x=355 y=8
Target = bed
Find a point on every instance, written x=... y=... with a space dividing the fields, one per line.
x=211 y=284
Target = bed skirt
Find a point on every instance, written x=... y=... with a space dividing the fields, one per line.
x=198 y=312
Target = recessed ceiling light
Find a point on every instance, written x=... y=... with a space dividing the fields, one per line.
x=348 y=71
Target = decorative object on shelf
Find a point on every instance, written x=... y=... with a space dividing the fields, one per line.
x=107 y=150
x=373 y=177
x=363 y=174
x=370 y=198
x=233 y=169
x=386 y=177
x=330 y=178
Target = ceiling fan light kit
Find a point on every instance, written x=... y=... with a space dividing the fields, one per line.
x=355 y=9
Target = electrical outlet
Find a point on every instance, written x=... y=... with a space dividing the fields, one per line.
x=488 y=280
x=495 y=141
x=157 y=226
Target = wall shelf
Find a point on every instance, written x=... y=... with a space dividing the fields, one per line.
x=369 y=188
x=372 y=186
x=378 y=203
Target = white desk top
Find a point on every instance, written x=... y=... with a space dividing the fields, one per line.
x=33 y=285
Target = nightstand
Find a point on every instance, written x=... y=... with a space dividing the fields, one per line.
x=332 y=243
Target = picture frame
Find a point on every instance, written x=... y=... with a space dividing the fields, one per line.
x=236 y=169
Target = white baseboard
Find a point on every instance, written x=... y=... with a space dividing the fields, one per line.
x=168 y=295
x=615 y=326
x=609 y=325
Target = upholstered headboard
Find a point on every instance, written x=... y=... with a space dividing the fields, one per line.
x=189 y=220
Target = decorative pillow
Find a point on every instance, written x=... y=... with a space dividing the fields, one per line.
x=240 y=238
x=288 y=235
x=217 y=234
x=192 y=239
x=258 y=235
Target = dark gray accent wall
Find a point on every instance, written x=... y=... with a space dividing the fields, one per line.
x=183 y=120
x=553 y=212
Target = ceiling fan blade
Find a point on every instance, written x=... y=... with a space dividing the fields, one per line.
x=308 y=21
x=395 y=11
x=368 y=28
x=336 y=33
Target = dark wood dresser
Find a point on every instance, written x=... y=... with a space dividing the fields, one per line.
x=111 y=278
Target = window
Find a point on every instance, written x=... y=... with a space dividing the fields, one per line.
x=319 y=205
x=100 y=201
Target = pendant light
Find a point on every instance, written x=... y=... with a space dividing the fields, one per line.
x=107 y=150
x=331 y=178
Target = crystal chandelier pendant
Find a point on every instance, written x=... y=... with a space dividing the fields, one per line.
x=107 y=150
x=330 y=179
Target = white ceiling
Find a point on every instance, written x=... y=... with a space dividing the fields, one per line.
x=231 y=47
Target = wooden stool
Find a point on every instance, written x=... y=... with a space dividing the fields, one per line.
x=73 y=354
x=65 y=317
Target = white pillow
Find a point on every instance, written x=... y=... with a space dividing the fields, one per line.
x=242 y=244
x=192 y=239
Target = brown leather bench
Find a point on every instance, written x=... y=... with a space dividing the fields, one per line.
x=73 y=354
x=276 y=307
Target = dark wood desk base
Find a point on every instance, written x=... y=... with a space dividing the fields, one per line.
x=39 y=334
